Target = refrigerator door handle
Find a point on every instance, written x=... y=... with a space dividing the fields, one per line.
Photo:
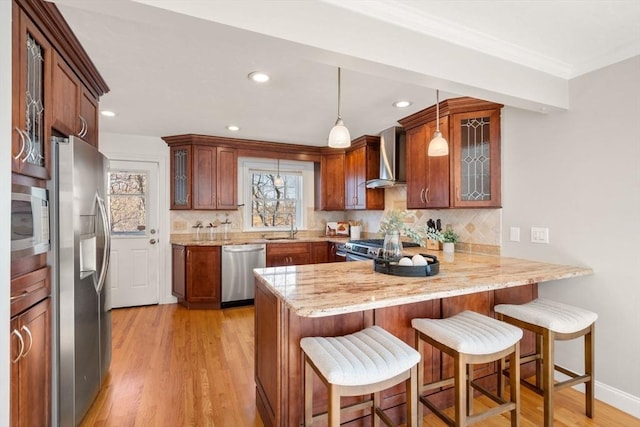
x=107 y=243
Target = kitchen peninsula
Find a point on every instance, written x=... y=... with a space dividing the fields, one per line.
x=341 y=298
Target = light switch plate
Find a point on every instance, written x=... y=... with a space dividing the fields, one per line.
x=514 y=234
x=539 y=235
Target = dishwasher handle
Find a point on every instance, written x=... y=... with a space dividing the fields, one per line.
x=243 y=249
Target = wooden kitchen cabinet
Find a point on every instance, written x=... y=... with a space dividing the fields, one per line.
x=319 y=252
x=203 y=177
x=470 y=175
x=362 y=163
x=30 y=355
x=427 y=177
x=330 y=182
x=283 y=254
x=31 y=73
x=475 y=164
x=196 y=276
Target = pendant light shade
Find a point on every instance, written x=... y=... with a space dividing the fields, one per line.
x=278 y=181
x=339 y=136
x=438 y=146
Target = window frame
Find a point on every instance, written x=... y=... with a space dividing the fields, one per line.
x=305 y=194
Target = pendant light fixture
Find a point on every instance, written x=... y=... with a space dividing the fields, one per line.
x=278 y=181
x=339 y=136
x=438 y=146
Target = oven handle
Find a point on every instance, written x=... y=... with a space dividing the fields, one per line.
x=354 y=257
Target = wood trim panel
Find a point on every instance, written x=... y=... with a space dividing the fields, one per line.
x=250 y=148
x=447 y=107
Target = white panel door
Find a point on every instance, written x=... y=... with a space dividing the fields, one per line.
x=133 y=207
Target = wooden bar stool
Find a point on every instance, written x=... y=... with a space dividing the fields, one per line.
x=362 y=363
x=551 y=321
x=470 y=338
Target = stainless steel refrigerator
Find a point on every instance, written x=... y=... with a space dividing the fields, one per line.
x=80 y=260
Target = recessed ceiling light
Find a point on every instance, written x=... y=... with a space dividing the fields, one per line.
x=233 y=128
x=402 y=104
x=259 y=77
x=108 y=113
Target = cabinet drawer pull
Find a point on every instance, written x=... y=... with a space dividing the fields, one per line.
x=24 y=328
x=17 y=334
x=17 y=297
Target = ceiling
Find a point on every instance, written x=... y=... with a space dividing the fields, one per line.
x=177 y=67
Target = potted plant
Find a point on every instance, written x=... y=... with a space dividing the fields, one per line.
x=449 y=238
x=395 y=224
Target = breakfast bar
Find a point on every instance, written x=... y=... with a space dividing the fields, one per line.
x=340 y=298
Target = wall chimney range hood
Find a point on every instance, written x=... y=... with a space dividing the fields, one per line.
x=392 y=159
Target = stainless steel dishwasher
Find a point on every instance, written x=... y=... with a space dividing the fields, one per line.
x=238 y=262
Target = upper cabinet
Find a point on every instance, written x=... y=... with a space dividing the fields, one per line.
x=74 y=111
x=56 y=86
x=470 y=175
x=330 y=182
x=427 y=177
x=362 y=163
x=203 y=176
x=32 y=53
x=342 y=175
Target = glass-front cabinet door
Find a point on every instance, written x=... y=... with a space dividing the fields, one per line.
x=181 y=176
x=30 y=138
x=476 y=159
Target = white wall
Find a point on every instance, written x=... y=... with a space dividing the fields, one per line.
x=153 y=149
x=5 y=190
x=578 y=173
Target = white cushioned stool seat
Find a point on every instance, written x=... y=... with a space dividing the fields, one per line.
x=553 y=315
x=367 y=356
x=470 y=332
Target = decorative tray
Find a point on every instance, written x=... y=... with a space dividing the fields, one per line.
x=387 y=267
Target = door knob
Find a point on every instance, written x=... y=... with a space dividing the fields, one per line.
x=152 y=241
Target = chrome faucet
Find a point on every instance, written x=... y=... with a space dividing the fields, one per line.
x=292 y=232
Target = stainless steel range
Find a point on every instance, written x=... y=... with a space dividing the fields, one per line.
x=361 y=250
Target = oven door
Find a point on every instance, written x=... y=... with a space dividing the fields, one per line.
x=357 y=257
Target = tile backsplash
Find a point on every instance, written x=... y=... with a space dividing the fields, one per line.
x=479 y=229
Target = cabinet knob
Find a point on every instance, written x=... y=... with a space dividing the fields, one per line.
x=153 y=241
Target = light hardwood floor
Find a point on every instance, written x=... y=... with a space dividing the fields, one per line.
x=178 y=367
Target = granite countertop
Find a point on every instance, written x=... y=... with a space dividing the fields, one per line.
x=335 y=288
x=241 y=239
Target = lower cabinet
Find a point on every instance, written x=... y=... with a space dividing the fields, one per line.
x=320 y=252
x=196 y=276
x=30 y=356
x=283 y=254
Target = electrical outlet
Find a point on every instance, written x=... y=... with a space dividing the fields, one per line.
x=539 y=235
x=514 y=234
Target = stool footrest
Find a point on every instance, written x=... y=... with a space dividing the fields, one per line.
x=433 y=386
x=579 y=379
x=359 y=406
x=496 y=410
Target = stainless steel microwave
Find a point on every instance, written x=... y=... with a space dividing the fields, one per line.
x=29 y=221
